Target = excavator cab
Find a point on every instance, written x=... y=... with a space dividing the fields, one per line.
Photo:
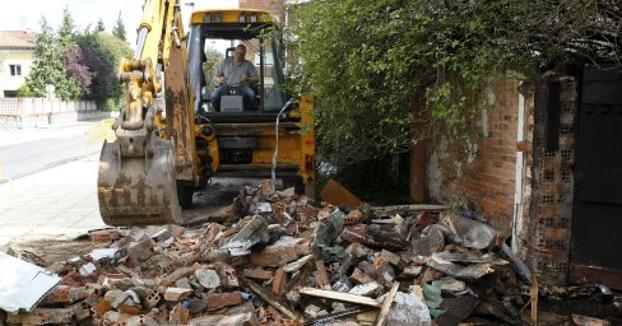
x=217 y=32
x=246 y=133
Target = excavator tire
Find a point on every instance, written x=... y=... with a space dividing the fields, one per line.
x=138 y=190
x=185 y=192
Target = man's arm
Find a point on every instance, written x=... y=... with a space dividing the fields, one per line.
x=219 y=74
x=251 y=73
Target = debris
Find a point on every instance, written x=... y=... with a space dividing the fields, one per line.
x=176 y=294
x=474 y=271
x=278 y=283
x=581 y=320
x=456 y=310
x=433 y=299
x=365 y=289
x=450 y=284
x=208 y=278
x=23 y=285
x=431 y=241
x=257 y=273
x=285 y=250
x=334 y=295
x=41 y=316
x=295 y=266
x=533 y=296
x=275 y=303
x=87 y=269
x=469 y=233
x=254 y=232
x=217 y=301
x=281 y=261
x=408 y=310
x=521 y=268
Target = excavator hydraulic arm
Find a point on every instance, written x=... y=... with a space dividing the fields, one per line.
x=140 y=171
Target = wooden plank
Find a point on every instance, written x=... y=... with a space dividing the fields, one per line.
x=322 y=276
x=278 y=283
x=334 y=295
x=386 y=304
x=269 y=299
x=533 y=293
x=257 y=273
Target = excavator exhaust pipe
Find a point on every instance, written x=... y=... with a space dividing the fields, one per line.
x=139 y=188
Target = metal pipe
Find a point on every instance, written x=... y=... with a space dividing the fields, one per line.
x=261 y=75
x=140 y=44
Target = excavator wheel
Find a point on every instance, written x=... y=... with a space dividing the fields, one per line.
x=138 y=190
x=185 y=192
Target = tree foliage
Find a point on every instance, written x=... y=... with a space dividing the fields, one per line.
x=48 y=68
x=118 y=30
x=102 y=54
x=377 y=66
x=100 y=27
x=213 y=57
x=79 y=65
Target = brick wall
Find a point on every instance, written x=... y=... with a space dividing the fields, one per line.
x=484 y=181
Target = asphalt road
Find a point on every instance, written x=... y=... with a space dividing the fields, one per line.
x=23 y=159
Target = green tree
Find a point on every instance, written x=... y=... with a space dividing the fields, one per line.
x=67 y=31
x=105 y=55
x=100 y=27
x=118 y=30
x=371 y=62
x=48 y=68
x=212 y=59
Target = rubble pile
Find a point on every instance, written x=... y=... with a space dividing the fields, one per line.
x=280 y=260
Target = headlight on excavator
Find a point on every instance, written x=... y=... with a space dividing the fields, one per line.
x=207 y=18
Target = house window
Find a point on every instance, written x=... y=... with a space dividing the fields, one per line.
x=16 y=70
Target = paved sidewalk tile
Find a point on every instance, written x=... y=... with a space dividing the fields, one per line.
x=59 y=203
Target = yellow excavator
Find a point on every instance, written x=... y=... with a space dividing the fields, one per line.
x=170 y=137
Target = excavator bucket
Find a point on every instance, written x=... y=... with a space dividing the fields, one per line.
x=138 y=190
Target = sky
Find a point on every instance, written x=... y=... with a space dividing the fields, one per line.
x=23 y=14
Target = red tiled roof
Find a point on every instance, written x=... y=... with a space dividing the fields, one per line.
x=17 y=40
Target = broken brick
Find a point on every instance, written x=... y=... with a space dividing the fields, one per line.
x=281 y=252
x=176 y=294
x=217 y=301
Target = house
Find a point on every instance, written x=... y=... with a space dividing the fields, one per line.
x=16 y=56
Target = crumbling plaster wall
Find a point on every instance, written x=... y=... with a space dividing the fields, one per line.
x=484 y=178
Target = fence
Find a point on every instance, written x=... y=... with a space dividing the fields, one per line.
x=24 y=112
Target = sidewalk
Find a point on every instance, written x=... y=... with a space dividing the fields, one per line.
x=59 y=203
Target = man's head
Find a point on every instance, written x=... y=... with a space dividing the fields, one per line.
x=240 y=52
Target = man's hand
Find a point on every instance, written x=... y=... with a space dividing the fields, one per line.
x=250 y=79
x=220 y=80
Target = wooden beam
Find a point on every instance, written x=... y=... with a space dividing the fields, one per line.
x=339 y=296
x=269 y=299
x=386 y=304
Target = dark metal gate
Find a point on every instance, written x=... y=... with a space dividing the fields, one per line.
x=597 y=220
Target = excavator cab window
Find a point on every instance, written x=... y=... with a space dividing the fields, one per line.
x=210 y=44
